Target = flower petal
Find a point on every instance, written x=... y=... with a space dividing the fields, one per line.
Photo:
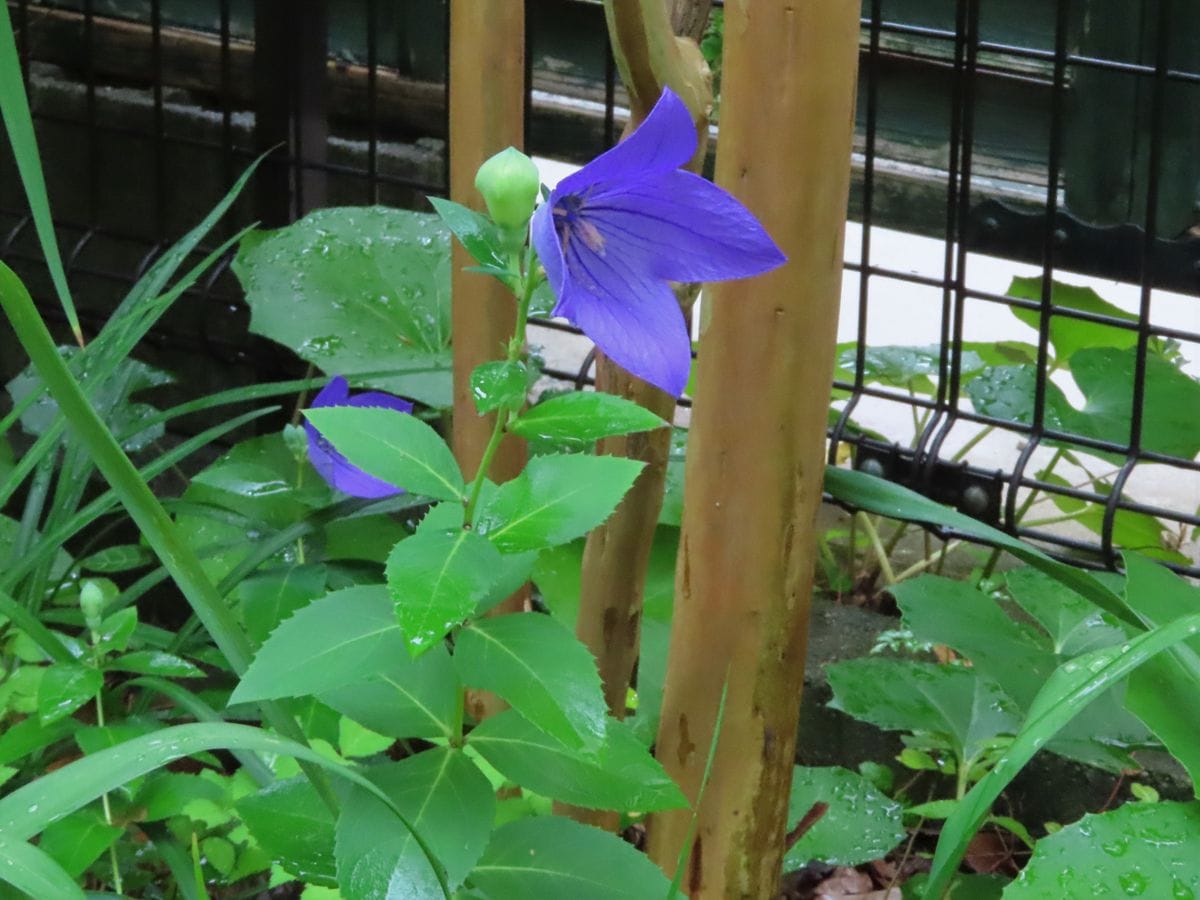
x=681 y=227
x=331 y=465
x=549 y=251
x=664 y=141
x=635 y=319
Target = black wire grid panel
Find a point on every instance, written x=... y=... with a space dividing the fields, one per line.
x=148 y=109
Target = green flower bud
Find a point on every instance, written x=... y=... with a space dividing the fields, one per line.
x=509 y=184
x=91 y=601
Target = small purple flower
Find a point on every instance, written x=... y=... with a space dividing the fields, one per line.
x=613 y=234
x=329 y=463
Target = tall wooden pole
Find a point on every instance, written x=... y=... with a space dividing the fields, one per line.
x=487 y=114
x=756 y=447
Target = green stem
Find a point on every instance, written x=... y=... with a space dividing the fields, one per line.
x=970 y=445
x=152 y=520
x=885 y=565
x=516 y=347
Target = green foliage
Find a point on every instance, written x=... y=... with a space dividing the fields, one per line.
x=560 y=858
x=848 y=821
x=581 y=417
x=1136 y=850
x=363 y=292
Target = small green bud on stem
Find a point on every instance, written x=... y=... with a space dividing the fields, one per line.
x=509 y=183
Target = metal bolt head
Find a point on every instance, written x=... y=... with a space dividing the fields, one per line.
x=872 y=466
x=975 y=500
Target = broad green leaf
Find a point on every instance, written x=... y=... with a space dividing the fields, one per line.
x=555 y=857
x=541 y=669
x=478 y=234
x=620 y=775
x=963 y=887
x=76 y=841
x=270 y=596
x=879 y=496
x=64 y=688
x=499 y=385
x=363 y=537
x=406 y=698
x=1068 y=335
x=356 y=291
x=110 y=397
x=952 y=703
x=30 y=735
x=1074 y=625
x=290 y=822
x=556 y=499
x=33 y=871
x=583 y=417
x=393 y=446
x=1139 y=850
x=850 y=822
x=154 y=662
x=436 y=579
x=1069 y=690
x=445 y=798
x=946 y=611
x=342 y=638
x=1165 y=694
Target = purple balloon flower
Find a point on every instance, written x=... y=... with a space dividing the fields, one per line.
x=613 y=234
x=338 y=471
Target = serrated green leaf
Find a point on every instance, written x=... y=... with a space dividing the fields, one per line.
x=337 y=640
x=584 y=417
x=556 y=499
x=167 y=794
x=952 y=703
x=436 y=579
x=555 y=857
x=289 y=821
x=271 y=596
x=393 y=446
x=851 y=821
x=1074 y=625
x=1137 y=850
x=407 y=698
x=64 y=688
x=357 y=291
x=444 y=796
x=540 y=669
x=620 y=775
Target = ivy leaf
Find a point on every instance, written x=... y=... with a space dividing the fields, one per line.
x=556 y=499
x=581 y=417
x=436 y=579
x=541 y=669
x=357 y=291
x=620 y=775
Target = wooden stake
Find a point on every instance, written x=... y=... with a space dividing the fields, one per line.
x=756 y=449
x=487 y=114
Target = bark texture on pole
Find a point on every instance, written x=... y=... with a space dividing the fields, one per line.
x=756 y=448
x=487 y=114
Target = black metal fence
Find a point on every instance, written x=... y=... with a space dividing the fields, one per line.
x=1063 y=136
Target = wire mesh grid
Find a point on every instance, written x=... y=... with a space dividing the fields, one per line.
x=154 y=106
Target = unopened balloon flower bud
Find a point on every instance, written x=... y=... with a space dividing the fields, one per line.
x=509 y=184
